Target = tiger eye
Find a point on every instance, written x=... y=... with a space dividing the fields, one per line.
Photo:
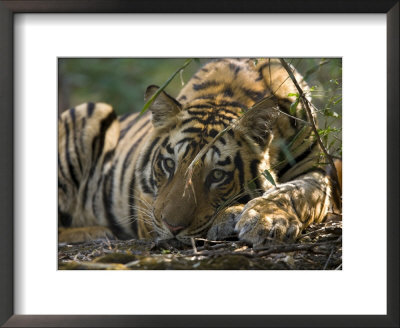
x=217 y=175
x=169 y=163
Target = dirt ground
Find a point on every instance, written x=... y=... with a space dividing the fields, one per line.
x=318 y=248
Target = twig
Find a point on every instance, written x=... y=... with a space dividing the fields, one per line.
x=305 y=102
x=226 y=242
x=263 y=251
x=294 y=248
x=294 y=117
x=327 y=261
x=193 y=245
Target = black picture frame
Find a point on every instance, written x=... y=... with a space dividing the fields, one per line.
x=11 y=7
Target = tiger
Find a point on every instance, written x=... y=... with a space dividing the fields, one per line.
x=259 y=179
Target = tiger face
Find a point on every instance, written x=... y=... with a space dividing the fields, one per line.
x=227 y=173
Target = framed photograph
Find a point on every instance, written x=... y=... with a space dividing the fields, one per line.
x=230 y=179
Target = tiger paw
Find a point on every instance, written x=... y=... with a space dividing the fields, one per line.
x=224 y=225
x=265 y=221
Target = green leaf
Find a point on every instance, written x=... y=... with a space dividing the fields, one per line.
x=255 y=61
x=293 y=95
x=269 y=177
x=293 y=107
x=338 y=101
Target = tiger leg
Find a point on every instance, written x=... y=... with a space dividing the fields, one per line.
x=283 y=212
x=83 y=234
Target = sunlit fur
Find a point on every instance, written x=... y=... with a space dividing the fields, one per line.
x=130 y=173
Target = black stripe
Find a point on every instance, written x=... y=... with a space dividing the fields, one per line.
x=61 y=168
x=205 y=85
x=181 y=142
x=145 y=187
x=90 y=109
x=182 y=97
x=193 y=130
x=260 y=71
x=228 y=92
x=169 y=149
x=234 y=68
x=97 y=148
x=216 y=150
x=127 y=160
x=252 y=94
x=125 y=116
x=213 y=133
x=211 y=105
x=64 y=218
x=208 y=96
x=227 y=161
x=222 y=140
x=146 y=156
x=62 y=186
x=239 y=166
x=108 y=194
x=83 y=134
x=108 y=156
x=67 y=156
x=155 y=157
x=215 y=118
x=164 y=143
x=244 y=199
x=188 y=148
x=73 y=118
x=236 y=104
x=145 y=161
x=130 y=125
x=104 y=125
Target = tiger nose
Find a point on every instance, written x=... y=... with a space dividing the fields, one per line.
x=175 y=229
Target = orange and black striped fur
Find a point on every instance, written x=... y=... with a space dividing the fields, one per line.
x=125 y=176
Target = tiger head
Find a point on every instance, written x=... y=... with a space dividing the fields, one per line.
x=185 y=201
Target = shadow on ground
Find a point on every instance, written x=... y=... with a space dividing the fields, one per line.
x=318 y=248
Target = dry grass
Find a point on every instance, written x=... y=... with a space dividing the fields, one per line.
x=318 y=248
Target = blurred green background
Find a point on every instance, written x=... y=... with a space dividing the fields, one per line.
x=121 y=82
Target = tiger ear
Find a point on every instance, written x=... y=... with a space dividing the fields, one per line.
x=256 y=123
x=164 y=108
